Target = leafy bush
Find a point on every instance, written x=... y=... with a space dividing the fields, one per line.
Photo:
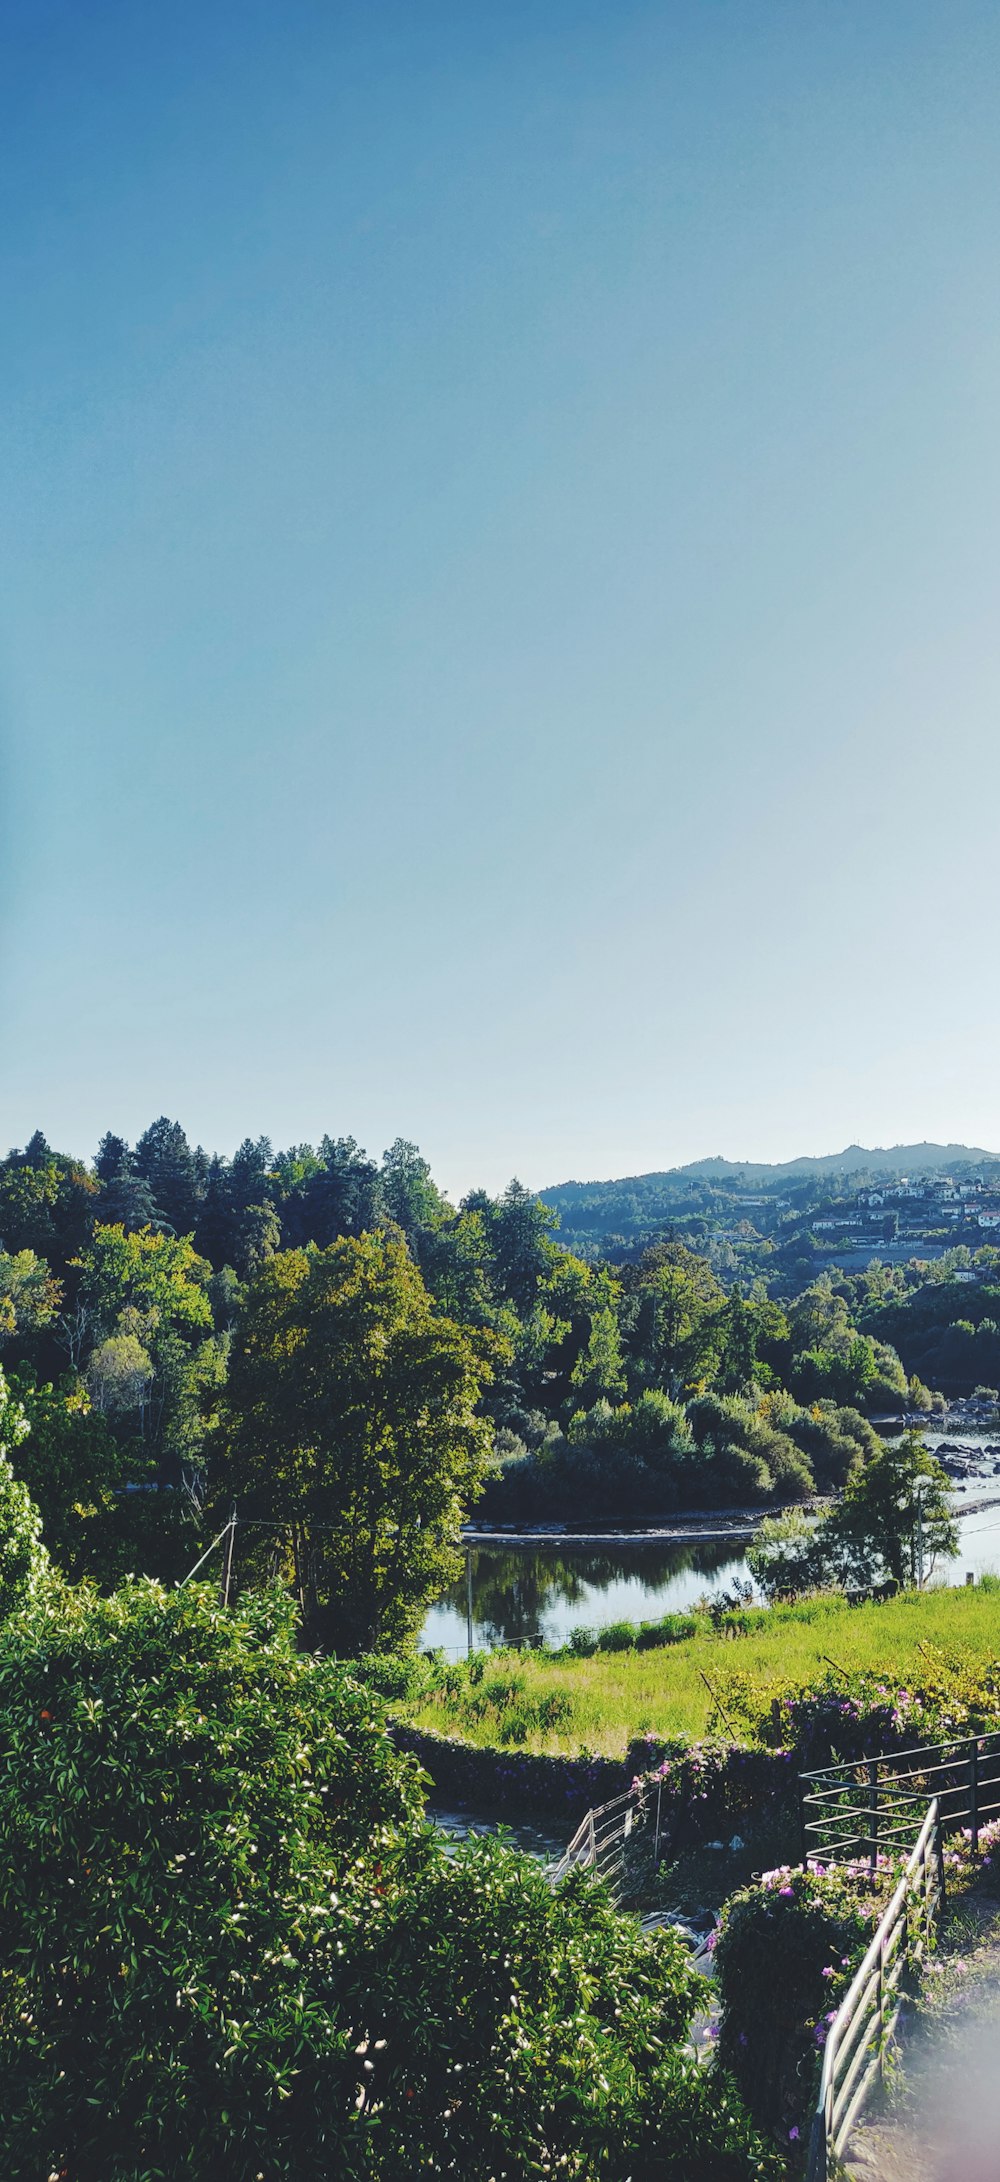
x=671 y=1629
x=784 y=1956
x=589 y=2080
x=178 y=1789
x=393 y=1675
x=626 y=1636
x=230 y=1946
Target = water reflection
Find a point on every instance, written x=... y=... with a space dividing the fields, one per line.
x=525 y=1596
x=530 y=1595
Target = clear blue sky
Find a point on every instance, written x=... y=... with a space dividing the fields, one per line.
x=499 y=566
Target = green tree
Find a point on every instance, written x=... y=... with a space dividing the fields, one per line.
x=175 y=1174
x=350 y=1422
x=79 y=1476
x=782 y=1556
x=408 y=1193
x=519 y=1228
x=737 y=1345
x=23 y=1558
x=160 y=1277
x=118 y=1374
x=126 y=1198
x=455 y=1260
x=678 y=1317
x=599 y=1372
x=258 y=1237
x=46 y=1202
x=29 y=1297
x=336 y=1196
x=894 y=1522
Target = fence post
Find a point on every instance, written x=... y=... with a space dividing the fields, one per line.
x=873 y=1815
x=880 y=2005
x=656 y=1841
x=593 y=1840
x=974 y=1792
x=816 y=2166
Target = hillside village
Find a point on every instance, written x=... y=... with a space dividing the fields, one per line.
x=789 y=1224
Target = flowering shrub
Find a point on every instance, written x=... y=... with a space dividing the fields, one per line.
x=785 y=1953
x=856 y=1718
x=705 y=1786
x=963 y=1869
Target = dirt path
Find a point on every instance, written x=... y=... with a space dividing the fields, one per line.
x=940 y=2119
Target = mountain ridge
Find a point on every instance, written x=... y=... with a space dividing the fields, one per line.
x=893 y=1159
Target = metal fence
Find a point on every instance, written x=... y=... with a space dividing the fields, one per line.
x=863 y=2025
x=871 y=1806
x=619 y=1840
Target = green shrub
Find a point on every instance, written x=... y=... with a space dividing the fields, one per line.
x=393 y=1675
x=618 y=1636
x=192 y=1817
x=591 y=2082
x=229 y=1945
x=671 y=1629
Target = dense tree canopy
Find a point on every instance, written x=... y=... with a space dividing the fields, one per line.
x=615 y=1389
x=350 y=1426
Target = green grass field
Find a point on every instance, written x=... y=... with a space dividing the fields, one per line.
x=706 y=1682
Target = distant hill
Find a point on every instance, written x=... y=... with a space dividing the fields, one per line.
x=898 y=1159
x=707 y=1196
x=857 y=1159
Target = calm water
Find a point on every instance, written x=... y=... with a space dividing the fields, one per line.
x=523 y=1595
x=533 y=1595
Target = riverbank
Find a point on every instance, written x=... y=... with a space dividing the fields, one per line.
x=543 y=1704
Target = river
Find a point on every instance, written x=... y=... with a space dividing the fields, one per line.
x=535 y=1595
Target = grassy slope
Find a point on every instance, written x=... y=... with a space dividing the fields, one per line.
x=598 y=1704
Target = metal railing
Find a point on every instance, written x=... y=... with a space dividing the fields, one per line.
x=607 y=1840
x=864 y=2023
x=870 y=1806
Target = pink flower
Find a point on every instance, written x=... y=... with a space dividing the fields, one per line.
x=793 y=2136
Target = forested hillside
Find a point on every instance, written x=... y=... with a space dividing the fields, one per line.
x=792 y=1219
x=130 y=1289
